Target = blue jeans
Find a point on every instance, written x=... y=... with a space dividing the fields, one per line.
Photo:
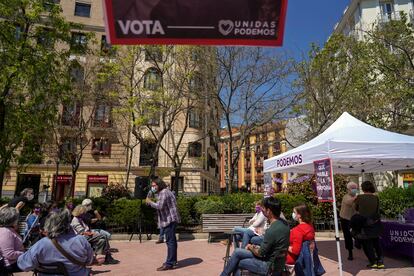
x=171 y=242
x=103 y=232
x=244 y=259
x=161 y=237
x=257 y=240
x=245 y=235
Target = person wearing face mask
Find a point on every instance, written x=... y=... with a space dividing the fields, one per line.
x=99 y=242
x=25 y=196
x=347 y=211
x=168 y=218
x=256 y=228
x=304 y=231
x=11 y=245
x=94 y=219
x=270 y=255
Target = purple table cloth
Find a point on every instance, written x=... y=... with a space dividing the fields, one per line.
x=398 y=238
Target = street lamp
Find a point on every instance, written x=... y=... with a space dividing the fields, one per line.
x=47 y=186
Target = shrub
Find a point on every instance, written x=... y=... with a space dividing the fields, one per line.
x=186 y=209
x=209 y=207
x=289 y=202
x=126 y=212
x=394 y=200
x=115 y=191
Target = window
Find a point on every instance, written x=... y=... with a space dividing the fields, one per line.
x=18 y=32
x=194 y=149
x=194 y=119
x=44 y=38
x=106 y=48
x=48 y=4
x=82 y=9
x=151 y=119
x=205 y=186
x=196 y=83
x=147 y=149
x=387 y=10
x=101 y=146
x=152 y=79
x=67 y=150
x=180 y=183
x=78 y=43
x=70 y=114
x=153 y=53
x=77 y=74
x=102 y=116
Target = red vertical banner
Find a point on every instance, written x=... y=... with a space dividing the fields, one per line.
x=200 y=22
x=323 y=175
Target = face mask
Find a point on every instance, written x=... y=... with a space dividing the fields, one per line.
x=30 y=197
x=70 y=206
x=294 y=216
x=153 y=190
x=89 y=207
x=354 y=191
x=258 y=209
x=37 y=210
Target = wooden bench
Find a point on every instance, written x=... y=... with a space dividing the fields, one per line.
x=221 y=223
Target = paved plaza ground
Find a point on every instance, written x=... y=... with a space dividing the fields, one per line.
x=200 y=258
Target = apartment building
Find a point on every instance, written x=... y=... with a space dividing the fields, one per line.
x=263 y=143
x=105 y=158
x=360 y=16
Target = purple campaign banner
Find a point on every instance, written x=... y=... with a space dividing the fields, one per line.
x=398 y=238
x=323 y=176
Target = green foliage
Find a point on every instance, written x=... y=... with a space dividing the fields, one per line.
x=371 y=78
x=209 y=207
x=126 y=212
x=187 y=210
x=289 y=202
x=115 y=191
x=394 y=200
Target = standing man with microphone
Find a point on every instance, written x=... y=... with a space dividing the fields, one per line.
x=152 y=195
x=168 y=218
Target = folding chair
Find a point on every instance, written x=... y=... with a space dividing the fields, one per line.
x=57 y=268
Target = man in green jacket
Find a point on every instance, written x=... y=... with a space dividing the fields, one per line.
x=271 y=253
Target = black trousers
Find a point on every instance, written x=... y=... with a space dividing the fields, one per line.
x=372 y=250
x=346 y=229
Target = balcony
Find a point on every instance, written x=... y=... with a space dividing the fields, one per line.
x=387 y=17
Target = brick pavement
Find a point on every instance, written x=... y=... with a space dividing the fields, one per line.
x=200 y=258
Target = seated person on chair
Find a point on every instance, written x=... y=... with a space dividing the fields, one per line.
x=45 y=252
x=99 y=242
x=94 y=219
x=271 y=253
x=256 y=228
x=304 y=231
x=11 y=245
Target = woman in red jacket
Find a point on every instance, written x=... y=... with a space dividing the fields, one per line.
x=300 y=233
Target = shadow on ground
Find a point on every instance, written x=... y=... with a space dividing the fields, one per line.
x=327 y=249
x=189 y=262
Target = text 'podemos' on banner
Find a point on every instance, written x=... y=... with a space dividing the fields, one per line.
x=209 y=22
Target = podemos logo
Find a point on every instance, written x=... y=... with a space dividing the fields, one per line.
x=247 y=28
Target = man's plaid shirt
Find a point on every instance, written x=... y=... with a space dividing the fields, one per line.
x=166 y=206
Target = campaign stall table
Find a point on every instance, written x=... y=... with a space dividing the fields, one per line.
x=398 y=238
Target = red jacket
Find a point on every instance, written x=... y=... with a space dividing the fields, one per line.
x=299 y=234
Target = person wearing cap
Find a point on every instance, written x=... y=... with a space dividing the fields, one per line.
x=347 y=211
x=93 y=218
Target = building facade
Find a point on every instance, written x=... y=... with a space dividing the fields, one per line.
x=263 y=143
x=361 y=16
x=105 y=158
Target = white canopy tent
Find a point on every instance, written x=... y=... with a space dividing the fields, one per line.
x=354 y=147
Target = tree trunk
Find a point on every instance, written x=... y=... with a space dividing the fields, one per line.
x=129 y=167
x=54 y=188
x=177 y=172
x=72 y=185
x=2 y=143
x=1 y=179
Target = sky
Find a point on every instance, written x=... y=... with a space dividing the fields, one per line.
x=310 y=21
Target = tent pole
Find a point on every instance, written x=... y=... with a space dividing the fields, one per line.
x=338 y=245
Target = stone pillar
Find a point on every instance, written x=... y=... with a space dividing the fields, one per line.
x=253 y=163
x=271 y=140
x=242 y=169
x=283 y=148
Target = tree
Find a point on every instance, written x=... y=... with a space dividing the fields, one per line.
x=31 y=74
x=250 y=93
x=371 y=78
